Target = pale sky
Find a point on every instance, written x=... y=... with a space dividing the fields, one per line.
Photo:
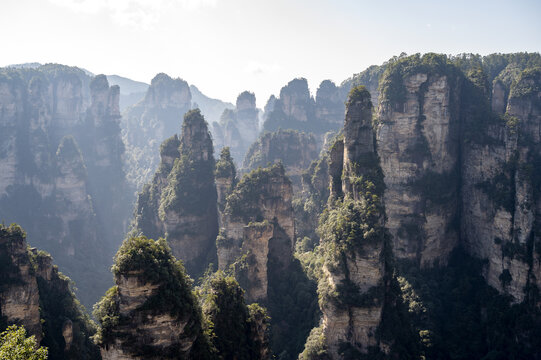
x=227 y=46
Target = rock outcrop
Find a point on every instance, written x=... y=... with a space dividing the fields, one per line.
x=19 y=293
x=180 y=202
x=34 y=294
x=226 y=179
x=239 y=127
x=418 y=141
x=240 y=331
x=258 y=223
x=296 y=109
x=151 y=313
x=148 y=123
x=256 y=242
x=500 y=189
x=294 y=149
x=354 y=278
x=329 y=104
x=458 y=156
x=61 y=172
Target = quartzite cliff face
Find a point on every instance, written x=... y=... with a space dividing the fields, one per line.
x=418 y=144
x=61 y=171
x=151 y=313
x=294 y=149
x=458 y=171
x=258 y=224
x=354 y=276
x=180 y=202
x=148 y=123
x=34 y=294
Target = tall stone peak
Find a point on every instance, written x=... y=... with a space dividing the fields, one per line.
x=195 y=138
x=180 y=202
x=165 y=91
x=355 y=278
x=151 y=121
x=269 y=105
x=296 y=88
x=294 y=149
x=358 y=133
x=157 y=315
x=245 y=101
x=239 y=127
x=328 y=92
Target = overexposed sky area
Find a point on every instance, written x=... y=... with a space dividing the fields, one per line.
x=227 y=46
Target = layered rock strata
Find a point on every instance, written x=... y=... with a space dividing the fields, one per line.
x=352 y=285
x=35 y=295
x=151 y=313
x=258 y=223
x=180 y=202
x=294 y=149
x=61 y=173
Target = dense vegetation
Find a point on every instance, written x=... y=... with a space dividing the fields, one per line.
x=152 y=262
x=237 y=331
x=458 y=316
x=14 y=345
x=59 y=307
x=225 y=167
x=243 y=202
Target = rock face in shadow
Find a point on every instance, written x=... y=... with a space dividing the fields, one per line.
x=152 y=120
x=500 y=191
x=296 y=109
x=180 y=202
x=258 y=223
x=294 y=149
x=238 y=127
x=354 y=280
x=35 y=295
x=61 y=168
